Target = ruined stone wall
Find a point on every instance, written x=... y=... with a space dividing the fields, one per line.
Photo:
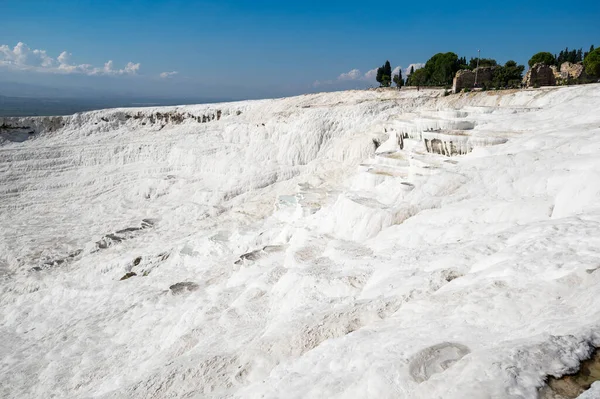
x=572 y=71
x=463 y=78
x=540 y=75
x=466 y=78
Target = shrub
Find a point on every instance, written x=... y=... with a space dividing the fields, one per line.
x=398 y=79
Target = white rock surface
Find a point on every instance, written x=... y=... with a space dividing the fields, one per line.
x=319 y=268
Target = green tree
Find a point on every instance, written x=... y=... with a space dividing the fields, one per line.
x=440 y=69
x=587 y=52
x=384 y=75
x=408 y=81
x=398 y=79
x=509 y=75
x=592 y=63
x=419 y=77
x=483 y=62
x=387 y=69
x=379 y=77
x=386 y=81
x=542 y=57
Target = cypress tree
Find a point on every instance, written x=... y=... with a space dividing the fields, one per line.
x=387 y=69
x=379 y=77
x=408 y=80
x=398 y=79
x=587 y=52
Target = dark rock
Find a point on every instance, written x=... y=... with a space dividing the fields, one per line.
x=137 y=261
x=128 y=275
x=181 y=288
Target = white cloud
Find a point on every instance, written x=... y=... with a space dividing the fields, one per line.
x=356 y=74
x=21 y=54
x=108 y=67
x=371 y=75
x=165 y=75
x=132 y=68
x=352 y=75
x=63 y=57
x=22 y=57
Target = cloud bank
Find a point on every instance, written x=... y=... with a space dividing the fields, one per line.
x=166 y=75
x=21 y=57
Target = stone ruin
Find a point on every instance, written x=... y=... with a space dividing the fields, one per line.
x=540 y=75
x=570 y=71
x=544 y=75
x=465 y=78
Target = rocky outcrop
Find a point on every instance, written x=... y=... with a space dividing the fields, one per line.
x=570 y=71
x=466 y=78
x=539 y=75
x=555 y=72
x=575 y=384
x=128 y=276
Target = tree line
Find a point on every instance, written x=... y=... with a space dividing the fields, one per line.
x=440 y=69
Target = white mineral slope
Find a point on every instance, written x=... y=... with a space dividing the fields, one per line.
x=368 y=274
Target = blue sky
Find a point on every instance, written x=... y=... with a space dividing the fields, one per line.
x=264 y=48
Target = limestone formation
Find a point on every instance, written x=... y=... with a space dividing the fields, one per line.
x=457 y=142
x=539 y=75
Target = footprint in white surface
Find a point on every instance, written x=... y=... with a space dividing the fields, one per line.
x=436 y=359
